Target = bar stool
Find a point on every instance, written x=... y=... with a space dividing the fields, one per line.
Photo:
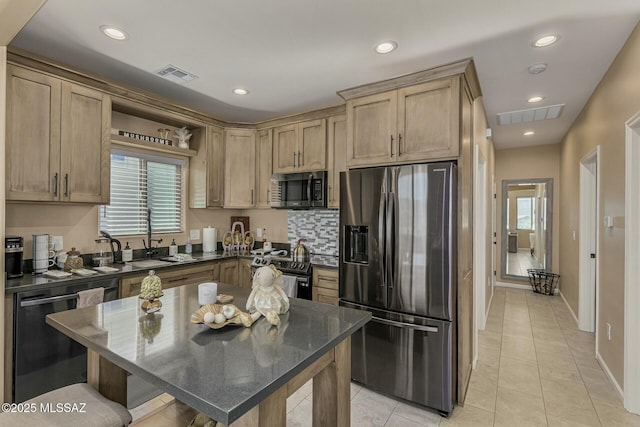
x=76 y=405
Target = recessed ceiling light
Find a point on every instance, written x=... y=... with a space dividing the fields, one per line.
x=528 y=133
x=240 y=91
x=535 y=99
x=113 y=32
x=537 y=68
x=546 y=41
x=386 y=47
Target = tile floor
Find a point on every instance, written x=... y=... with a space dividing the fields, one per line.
x=518 y=263
x=534 y=369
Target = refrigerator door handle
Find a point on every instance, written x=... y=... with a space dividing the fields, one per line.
x=390 y=225
x=382 y=239
x=405 y=325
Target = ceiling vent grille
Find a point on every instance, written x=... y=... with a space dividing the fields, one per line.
x=531 y=115
x=175 y=74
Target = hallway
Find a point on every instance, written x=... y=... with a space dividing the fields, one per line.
x=536 y=368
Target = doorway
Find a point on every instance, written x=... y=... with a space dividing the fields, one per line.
x=589 y=234
x=480 y=247
x=632 y=267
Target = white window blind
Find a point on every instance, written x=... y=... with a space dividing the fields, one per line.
x=139 y=182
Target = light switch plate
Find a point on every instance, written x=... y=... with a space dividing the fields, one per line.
x=195 y=235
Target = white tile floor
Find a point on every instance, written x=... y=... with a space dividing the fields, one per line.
x=518 y=263
x=534 y=369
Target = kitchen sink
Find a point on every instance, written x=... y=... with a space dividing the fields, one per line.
x=150 y=263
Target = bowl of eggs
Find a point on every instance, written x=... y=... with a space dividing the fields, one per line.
x=217 y=316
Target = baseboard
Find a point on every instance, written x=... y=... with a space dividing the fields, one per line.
x=569 y=307
x=512 y=285
x=612 y=379
x=488 y=309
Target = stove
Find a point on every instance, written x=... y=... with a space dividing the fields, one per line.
x=300 y=270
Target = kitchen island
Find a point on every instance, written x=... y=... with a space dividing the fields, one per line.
x=235 y=375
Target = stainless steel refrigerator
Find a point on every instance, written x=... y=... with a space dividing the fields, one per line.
x=397 y=260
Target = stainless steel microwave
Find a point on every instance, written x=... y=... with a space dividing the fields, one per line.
x=299 y=190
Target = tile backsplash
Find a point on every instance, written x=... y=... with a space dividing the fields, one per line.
x=319 y=227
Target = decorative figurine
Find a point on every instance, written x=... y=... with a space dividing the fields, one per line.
x=183 y=137
x=267 y=296
x=150 y=291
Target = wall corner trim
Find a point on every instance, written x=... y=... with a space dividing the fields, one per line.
x=569 y=307
x=610 y=376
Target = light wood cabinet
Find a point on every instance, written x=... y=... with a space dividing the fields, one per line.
x=228 y=272
x=206 y=172
x=300 y=147
x=414 y=123
x=337 y=144
x=264 y=159
x=244 y=273
x=58 y=140
x=130 y=286
x=325 y=285
x=240 y=168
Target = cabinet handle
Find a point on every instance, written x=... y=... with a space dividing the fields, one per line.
x=391 y=145
x=330 y=193
x=178 y=279
x=299 y=164
x=66 y=184
x=294 y=159
x=55 y=185
x=251 y=196
x=399 y=144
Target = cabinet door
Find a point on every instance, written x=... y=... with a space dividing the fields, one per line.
x=240 y=168
x=285 y=149
x=337 y=157
x=85 y=148
x=244 y=273
x=130 y=286
x=371 y=129
x=215 y=167
x=312 y=145
x=264 y=159
x=229 y=272
x=428 y=120
x=33 y=136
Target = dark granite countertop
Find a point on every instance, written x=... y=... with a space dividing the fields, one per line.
x=222 y=373
x=30 y=282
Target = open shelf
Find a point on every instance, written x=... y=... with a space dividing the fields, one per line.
x=170 y=149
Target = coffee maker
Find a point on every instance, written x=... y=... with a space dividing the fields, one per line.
x=13 y=251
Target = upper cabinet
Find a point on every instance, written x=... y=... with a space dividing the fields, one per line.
x=419 y=120
x=337 y=144
x=240 y=168
x=300 y=147
x=206 y=174
x=58 y=140
x=264 y=159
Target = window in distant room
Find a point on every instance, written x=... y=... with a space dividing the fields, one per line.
x=525 y=208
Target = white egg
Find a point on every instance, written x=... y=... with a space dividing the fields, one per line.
x=228 y=311
x=220 y=318
x=209 y=317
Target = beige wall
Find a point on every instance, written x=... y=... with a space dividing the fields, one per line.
x=602 y=122
x=485 y=146
x=78 y=224
x=542 y=161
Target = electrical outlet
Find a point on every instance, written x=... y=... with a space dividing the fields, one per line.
x=609 y=331
x=195 y=234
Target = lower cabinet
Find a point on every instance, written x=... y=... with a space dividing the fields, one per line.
x=228 y=272
x=130 y=286
x=325 y=285
x=244 y=273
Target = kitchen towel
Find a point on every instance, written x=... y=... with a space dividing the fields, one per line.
x=209 y=239
x=90 y=297
x=290 y=285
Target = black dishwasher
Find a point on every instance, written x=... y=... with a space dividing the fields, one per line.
x=43 y=358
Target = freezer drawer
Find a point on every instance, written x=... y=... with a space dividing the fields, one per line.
x=411 y=361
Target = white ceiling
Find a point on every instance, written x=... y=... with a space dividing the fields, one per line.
x=293 y=55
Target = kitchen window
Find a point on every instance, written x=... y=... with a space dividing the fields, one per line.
x=526 y=213
x=139 y=182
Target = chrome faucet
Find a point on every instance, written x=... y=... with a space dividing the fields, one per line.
x=150 y=250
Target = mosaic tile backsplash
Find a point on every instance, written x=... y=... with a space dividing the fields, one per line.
x=319 y=227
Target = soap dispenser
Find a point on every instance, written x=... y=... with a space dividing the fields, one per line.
x=173 y=248
x=127 y=253
x=188 y=248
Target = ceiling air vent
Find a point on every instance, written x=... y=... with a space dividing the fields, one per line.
x=530 y=115
x=175 y=74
